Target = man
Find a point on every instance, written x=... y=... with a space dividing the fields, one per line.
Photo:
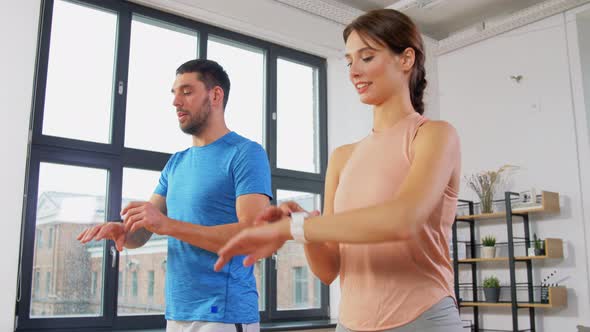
x=205 y=195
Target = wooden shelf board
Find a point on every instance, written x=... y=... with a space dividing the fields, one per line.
x=506 y=304
x=501 y=259
x=485 y=304
x=549 y=204
x=557 y=298
x=495 y=215
x=553 y=249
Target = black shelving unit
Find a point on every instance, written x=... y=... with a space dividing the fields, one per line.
x=512 y=260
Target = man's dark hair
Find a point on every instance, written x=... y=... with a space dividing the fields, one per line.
x=210 y=73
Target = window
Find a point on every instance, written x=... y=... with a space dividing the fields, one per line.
x=293 y=280
x=65 y=97
x=36 y=284
x=260 y=275
x=74 y=198
x=317 y=289
x=39 y=237
x=122 y=284
x=47 y=283
x=150 y=287
x=297 y=116
x=104 y=127
x=149 y=105
x=300 y=286
x=50 y=238
x=134 y=283
x=94 y=283
x=245 y=66
x=138 y=185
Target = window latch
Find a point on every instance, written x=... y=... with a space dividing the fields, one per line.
x=113 y=256
x=120 y=88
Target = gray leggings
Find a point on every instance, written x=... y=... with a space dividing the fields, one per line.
x=441 y=317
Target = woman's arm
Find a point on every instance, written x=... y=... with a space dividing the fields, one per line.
x=435 y=162
x=324 y=258
x=436 y=158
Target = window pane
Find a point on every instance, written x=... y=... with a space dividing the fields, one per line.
x=94 y=282
x=78 y=97
x=70 y=199
x=260 y=276
x=244 y=112
x=48 y=284
x=156 y=50
x=300 y=286
x=134 y=283
x=151 y=276
x=297 y=117
x=50 y=237
x=295 y=281
x=142 y=271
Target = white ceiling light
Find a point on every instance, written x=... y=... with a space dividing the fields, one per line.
x=403 y=5
x=425 y=4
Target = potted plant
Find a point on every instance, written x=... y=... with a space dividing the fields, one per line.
x=489 y=247
x=491 y=289
x=485 y=183
x=539 y=245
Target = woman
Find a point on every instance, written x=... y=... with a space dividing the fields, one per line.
x=390 y=199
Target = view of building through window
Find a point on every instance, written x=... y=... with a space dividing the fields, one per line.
x=142 y=271
x=298 y=287
x=125 y=129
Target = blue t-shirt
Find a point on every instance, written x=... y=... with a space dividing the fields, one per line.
x=201 y=185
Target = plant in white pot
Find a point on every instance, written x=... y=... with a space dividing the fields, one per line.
x=489 y=247
x=491 y=289
x=537 y=247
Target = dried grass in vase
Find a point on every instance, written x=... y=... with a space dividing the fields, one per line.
x=484 y=184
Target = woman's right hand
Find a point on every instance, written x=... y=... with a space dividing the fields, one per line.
x=110 y=230
x=255 y=242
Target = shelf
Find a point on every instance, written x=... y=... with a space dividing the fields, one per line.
x=549 y=204
x=557 y=298
x=553 y=249
x=526 y=296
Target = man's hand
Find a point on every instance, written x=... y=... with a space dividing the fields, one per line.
x=110 y=230
x=146 y=215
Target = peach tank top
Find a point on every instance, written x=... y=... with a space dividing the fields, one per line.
x=387 y=285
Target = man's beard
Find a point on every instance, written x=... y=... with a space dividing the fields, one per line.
x=199 y=122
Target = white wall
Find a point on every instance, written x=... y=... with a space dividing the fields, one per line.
x=18 y=32
x=431 y=97
x=582 y=19
x=578 y=31
x=530 y=124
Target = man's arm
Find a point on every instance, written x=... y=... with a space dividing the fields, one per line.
x=142 y=235
x=212 y=238
x=146 y=215
x=116 y=231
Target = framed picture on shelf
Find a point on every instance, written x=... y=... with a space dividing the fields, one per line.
x=528 y=198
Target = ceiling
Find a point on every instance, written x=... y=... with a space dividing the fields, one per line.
x=439 y=19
